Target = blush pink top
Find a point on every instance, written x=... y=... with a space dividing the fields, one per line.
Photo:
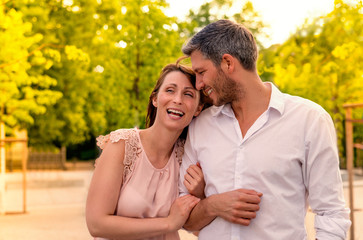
x=146 y=191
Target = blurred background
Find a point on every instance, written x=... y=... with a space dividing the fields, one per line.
x=71 y=70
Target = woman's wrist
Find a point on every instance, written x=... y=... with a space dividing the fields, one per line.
x=167 y=225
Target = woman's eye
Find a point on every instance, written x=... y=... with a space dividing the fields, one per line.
x=169 y=90
x=189 y=94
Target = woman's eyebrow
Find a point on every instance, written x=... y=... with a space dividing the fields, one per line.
x=190 y=88
x=172 y=84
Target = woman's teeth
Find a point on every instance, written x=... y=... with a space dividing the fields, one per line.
x=175 y=112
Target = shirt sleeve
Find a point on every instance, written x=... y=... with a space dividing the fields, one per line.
x=323 y=180
x=189 y=158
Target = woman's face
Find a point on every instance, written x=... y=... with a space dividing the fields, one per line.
x=177 y=101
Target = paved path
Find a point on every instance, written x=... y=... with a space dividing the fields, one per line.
x=56 y=200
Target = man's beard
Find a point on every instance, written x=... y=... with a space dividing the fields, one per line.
x=227 y=89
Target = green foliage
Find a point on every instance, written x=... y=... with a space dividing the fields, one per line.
x=102 y=56
x=25 y=93
x=71 y=70
x=323 y=62
x=217 y=9
x=144 y=40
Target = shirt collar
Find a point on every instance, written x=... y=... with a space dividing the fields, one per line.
x=276 y=102
x=276 y=99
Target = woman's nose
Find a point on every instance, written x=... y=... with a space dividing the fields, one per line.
x=178 y=98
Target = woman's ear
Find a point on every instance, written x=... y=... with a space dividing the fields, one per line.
x=154 y=101
x=199 y=110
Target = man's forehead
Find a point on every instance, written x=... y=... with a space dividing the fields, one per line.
x=198 y=61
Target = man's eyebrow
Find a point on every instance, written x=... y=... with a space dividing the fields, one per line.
x=197 y=69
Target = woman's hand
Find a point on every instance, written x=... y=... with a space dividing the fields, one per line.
x=194 y=181
x=180 y=210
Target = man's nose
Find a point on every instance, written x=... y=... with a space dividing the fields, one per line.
x=199 y=83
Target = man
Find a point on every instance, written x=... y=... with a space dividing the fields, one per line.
x=256 y=140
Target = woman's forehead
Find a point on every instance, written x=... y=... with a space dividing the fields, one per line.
x=177 y=79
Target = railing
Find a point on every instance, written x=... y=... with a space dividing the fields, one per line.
x=350 y=145
x=47 y=160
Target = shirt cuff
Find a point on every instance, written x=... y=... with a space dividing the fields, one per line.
x=329 y=228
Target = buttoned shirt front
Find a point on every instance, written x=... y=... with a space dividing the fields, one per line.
x=289 y=154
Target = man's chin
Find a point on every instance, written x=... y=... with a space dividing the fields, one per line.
x=218 y=104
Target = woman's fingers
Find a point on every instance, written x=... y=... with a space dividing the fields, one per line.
x=195 y=171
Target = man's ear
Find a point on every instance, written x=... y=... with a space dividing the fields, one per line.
x=199 y=110
x=227 y=63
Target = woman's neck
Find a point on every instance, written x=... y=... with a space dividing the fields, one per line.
x=158 y=143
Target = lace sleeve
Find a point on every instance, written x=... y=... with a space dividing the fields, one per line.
x=132 y=147
x=179 y=150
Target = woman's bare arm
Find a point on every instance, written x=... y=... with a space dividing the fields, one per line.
x=103 y=197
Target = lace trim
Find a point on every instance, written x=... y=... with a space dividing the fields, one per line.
x=179 y=150
x=132 y=147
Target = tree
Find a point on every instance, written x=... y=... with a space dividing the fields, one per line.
x=323 y=62
x=61 y=27
x=145 y=40
x=110 y=54
x=217 y=9
x=25 y=92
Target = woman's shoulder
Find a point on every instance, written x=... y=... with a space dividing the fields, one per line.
x=116 y=136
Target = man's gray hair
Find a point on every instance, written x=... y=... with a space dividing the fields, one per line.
x=221 y=37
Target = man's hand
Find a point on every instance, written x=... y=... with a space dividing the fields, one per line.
x=237 y=206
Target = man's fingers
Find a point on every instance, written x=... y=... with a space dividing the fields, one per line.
x=241 y=221
x=245 y=214
x=249 y=198
x=250 y=191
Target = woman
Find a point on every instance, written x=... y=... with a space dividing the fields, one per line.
x=134 y=189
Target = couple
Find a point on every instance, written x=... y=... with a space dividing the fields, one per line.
x=266 y=156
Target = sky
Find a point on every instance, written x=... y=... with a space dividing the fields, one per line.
x=283 y=16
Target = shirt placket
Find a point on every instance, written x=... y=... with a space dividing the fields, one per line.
x=240 y=158
x=237 y=173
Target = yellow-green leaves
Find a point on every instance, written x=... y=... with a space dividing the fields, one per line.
x=323 y=61
x=23 y=93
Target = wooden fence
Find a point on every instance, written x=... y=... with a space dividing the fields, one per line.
x=47 y=160
x=37 y=160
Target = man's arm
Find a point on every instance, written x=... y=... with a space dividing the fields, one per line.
x=323 y=181
x=237 y=206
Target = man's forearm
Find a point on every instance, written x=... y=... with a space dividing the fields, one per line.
x=200 y=216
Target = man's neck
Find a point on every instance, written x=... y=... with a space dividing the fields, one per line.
x=254 y=102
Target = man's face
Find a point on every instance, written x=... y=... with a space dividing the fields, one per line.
x=214 y=83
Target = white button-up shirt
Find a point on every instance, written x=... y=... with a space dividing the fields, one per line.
x=289 y=154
